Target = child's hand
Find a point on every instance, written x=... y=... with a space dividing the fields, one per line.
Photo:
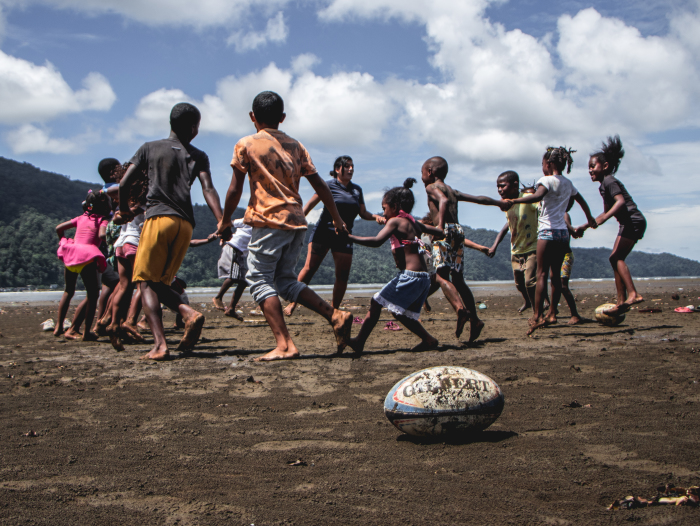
x=381 y=220
x=224 y=229
x=484 y=250
x=340 y=228
x=122 y=217
x=505 y=204
x=593 y=223
x=212 y=237
x=491 y=252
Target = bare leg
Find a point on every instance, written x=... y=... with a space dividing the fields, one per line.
x=339 y=320
x=105 y=294
x=427 y=341
x=343 y=262
x=70 y=279
x=73 y=331
x=475 y=324
x=231 y=309
x=519 y=277
x=314 y=257
x=450 y=292
x=357 y=343
x=623 y=278
x=129 y=324
x=557 y=253
x=570 y=301
x=285 y=349
x=91 y=281
x=543 y=265
x=219 y=298
x=434 y=286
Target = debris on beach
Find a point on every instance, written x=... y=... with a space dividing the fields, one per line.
x=48 y=325
x=651 y=310
x=297 y=462
x=667 y=495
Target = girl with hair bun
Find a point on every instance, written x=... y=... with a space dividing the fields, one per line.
x=350 y=203
x=617 y=203
x=557 y=195
x=404 y=295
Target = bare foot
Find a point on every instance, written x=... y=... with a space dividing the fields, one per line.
x=575 y=320
x=634 y=300
x=157 y=354
x=426 y=306
x=426 y=345
x=278 y=354
x=58 y=331
x=116 y=342
x=289 y=309
x=90 y=336
x=231 y=313
x=218 y=304
x=193 y=329
x=551 y=319
x=132 y=331
x=143 y=326
x=341 y=322
x=475 y=330
x=618 y=309
x=356 y=345
x=462 y=318
x=101 y=328
x=71 y=334
x=535 y=324
x=524 y=307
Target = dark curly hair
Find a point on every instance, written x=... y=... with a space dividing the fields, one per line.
x=98 y=203
x=341 y=162
x=611 y=153
x=559 y=157
x=401 y=197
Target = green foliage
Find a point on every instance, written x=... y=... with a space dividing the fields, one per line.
x=33 y=202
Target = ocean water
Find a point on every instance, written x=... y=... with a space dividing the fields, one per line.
x=479 y=288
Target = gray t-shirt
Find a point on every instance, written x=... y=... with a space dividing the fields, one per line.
x=172 y=168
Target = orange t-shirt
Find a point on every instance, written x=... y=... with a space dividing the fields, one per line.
x=275 y=163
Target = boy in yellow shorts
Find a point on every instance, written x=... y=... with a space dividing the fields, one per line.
x=172 y=165
x=276 y=163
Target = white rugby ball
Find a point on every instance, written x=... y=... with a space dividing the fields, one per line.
x=607 y=319
x=444 y=400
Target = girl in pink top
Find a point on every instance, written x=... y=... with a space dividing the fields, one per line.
x=82 y=255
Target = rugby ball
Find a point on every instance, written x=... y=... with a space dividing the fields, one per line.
x=444 y=401
x=607 y=319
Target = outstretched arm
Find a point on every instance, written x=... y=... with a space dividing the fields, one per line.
x=211 y=196
x=475 y=246
x=380 y=238
x=233 y=197
x=531 y=198
x=431 y=230
x=324 y=193
x=200 y=242
x=311 y=204
x=482 y=200
x=614 y=209
x=369 y=216
x=584 y=206
x=497 y=241
x=125 y=215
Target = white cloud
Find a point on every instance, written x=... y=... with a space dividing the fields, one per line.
x=31 y=93
x=276 y=31
x=344 y=109
x=32 y=139
x=203 y=13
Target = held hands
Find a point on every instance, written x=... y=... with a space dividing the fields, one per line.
x=505 y=204
x=340 y=228
x=223 y=229
x=490 y=252
x=122 y=217
x=485 y=250
x=380 y=219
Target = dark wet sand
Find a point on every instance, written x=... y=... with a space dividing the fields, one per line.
x=208 y=438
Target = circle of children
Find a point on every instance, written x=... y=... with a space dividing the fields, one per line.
x=148 y=202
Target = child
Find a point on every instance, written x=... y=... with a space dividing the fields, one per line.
x=521 y=220
x=557 y=195
x=617 y=203
x=404 y=295
x=566 y=267
x=276 y=163
x=82 y=255
x=447 y=254
x=233 y=267
x=172 y=165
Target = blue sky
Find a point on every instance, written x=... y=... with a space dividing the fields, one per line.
x=488 y=84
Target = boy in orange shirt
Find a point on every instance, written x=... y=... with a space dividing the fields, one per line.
x=276 y=163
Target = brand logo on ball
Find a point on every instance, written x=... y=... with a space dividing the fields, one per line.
x=446 y=388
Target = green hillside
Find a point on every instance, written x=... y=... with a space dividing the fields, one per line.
x=33 y=201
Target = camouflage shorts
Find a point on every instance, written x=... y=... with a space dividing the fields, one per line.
x=448 y=252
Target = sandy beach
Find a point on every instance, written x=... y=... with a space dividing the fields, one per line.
x=93 y=436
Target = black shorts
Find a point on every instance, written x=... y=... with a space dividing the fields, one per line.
x=633 y=230
x=110 y=277
x=329 y=239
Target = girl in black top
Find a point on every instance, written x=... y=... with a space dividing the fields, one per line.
x=350 y=203
x=618 y=203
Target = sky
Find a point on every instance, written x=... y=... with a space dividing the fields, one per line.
x=487 y=84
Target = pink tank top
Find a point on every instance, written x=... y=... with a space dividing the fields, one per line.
x=395 y=242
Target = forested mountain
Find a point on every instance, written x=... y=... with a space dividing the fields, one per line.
x=33 y=202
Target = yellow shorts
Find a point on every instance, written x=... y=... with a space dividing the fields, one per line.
x=567 y=265
x=162 y=247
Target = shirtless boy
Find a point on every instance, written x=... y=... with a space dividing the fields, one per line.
x=447 y=253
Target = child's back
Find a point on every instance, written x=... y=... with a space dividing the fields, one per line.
x=560 y=190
